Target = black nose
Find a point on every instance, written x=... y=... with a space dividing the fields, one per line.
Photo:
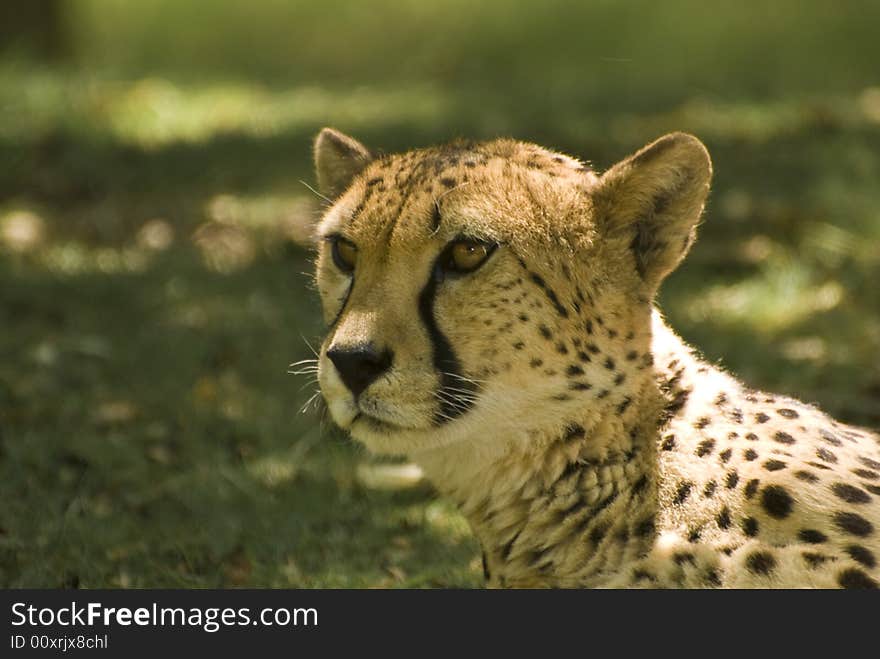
x=359 y=365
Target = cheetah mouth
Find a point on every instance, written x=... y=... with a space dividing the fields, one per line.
x=375 y=423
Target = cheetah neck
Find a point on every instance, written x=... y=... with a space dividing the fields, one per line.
x=560 y=512
x=562 y=508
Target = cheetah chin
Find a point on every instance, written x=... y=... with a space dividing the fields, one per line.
x=490 y=313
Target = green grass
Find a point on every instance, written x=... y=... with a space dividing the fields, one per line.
x=155 y=287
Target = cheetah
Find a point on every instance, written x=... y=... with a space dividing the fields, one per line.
x=491 y=316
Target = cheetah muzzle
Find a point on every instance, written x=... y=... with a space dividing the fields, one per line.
x=490 y=313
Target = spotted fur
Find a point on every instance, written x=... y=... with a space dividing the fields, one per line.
x=587 y=445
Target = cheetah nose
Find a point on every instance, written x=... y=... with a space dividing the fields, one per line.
x=359 y=365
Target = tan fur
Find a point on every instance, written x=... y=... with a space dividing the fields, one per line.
x=586 y=444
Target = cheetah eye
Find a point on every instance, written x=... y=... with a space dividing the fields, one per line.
x=465 y=255
x=344 y=253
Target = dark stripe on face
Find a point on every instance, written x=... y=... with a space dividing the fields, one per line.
x=342 y=306
x=452 y=404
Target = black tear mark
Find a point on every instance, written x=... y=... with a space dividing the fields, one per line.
x=452 y=404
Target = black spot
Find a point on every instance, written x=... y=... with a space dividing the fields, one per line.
x=866 y=473
x=598 y=533
x=561 y=349
x=624 y=404
x=776 y=501
x=725 y=454
x=814 y=559
x=721 y=399
x=702 y=422
x=574 y=432
x=642 y=575
x=737 y=415
x=856 y=578
x=760 y=417
x=640 y=485
x=448 y=182
x=750 y=527
x=705 y=447
x=668 y=443
x=774 y=465
x=574 y=369
x=592 y=347
x=609 y=364
x=853 y=524
x=812 y=536
x=573 y=509
x=709 y=489
x=603 y=394
x=580 y=386
x=584 y=357
x=861 y=555
x=677 y=403
x=631 y=356
x=508 y=546
x=723 y=518
x=850 y=493
x=750 y=454
x=830 y=438
x=873 y=489
x=868 y=462
x=551 y=295
x=806 y=476
x=751 y=487
x=536 y=363
x=523 y=317
x=682 y=557
x=619 y=378
x=519 y=345
x=694 y=535
x=712 y=578
x=752 y=437
x=683 y=491
x=545 y=332
x=787 y=413
x=783 y=437
x=644 y=528
x=826 y=455
x=760 y=562
x=731 y=479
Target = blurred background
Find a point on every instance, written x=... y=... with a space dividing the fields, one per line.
x=154 y=259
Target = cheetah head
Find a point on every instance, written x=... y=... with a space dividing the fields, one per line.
x=486 y=290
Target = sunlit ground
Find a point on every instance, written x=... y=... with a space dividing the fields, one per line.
x=154 y=234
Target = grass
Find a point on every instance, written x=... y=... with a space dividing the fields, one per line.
x=155 y=286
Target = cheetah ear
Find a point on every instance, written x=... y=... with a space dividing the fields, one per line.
x=651 y=202
x=338 y=159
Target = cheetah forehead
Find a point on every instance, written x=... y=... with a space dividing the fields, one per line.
x=502 y=189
